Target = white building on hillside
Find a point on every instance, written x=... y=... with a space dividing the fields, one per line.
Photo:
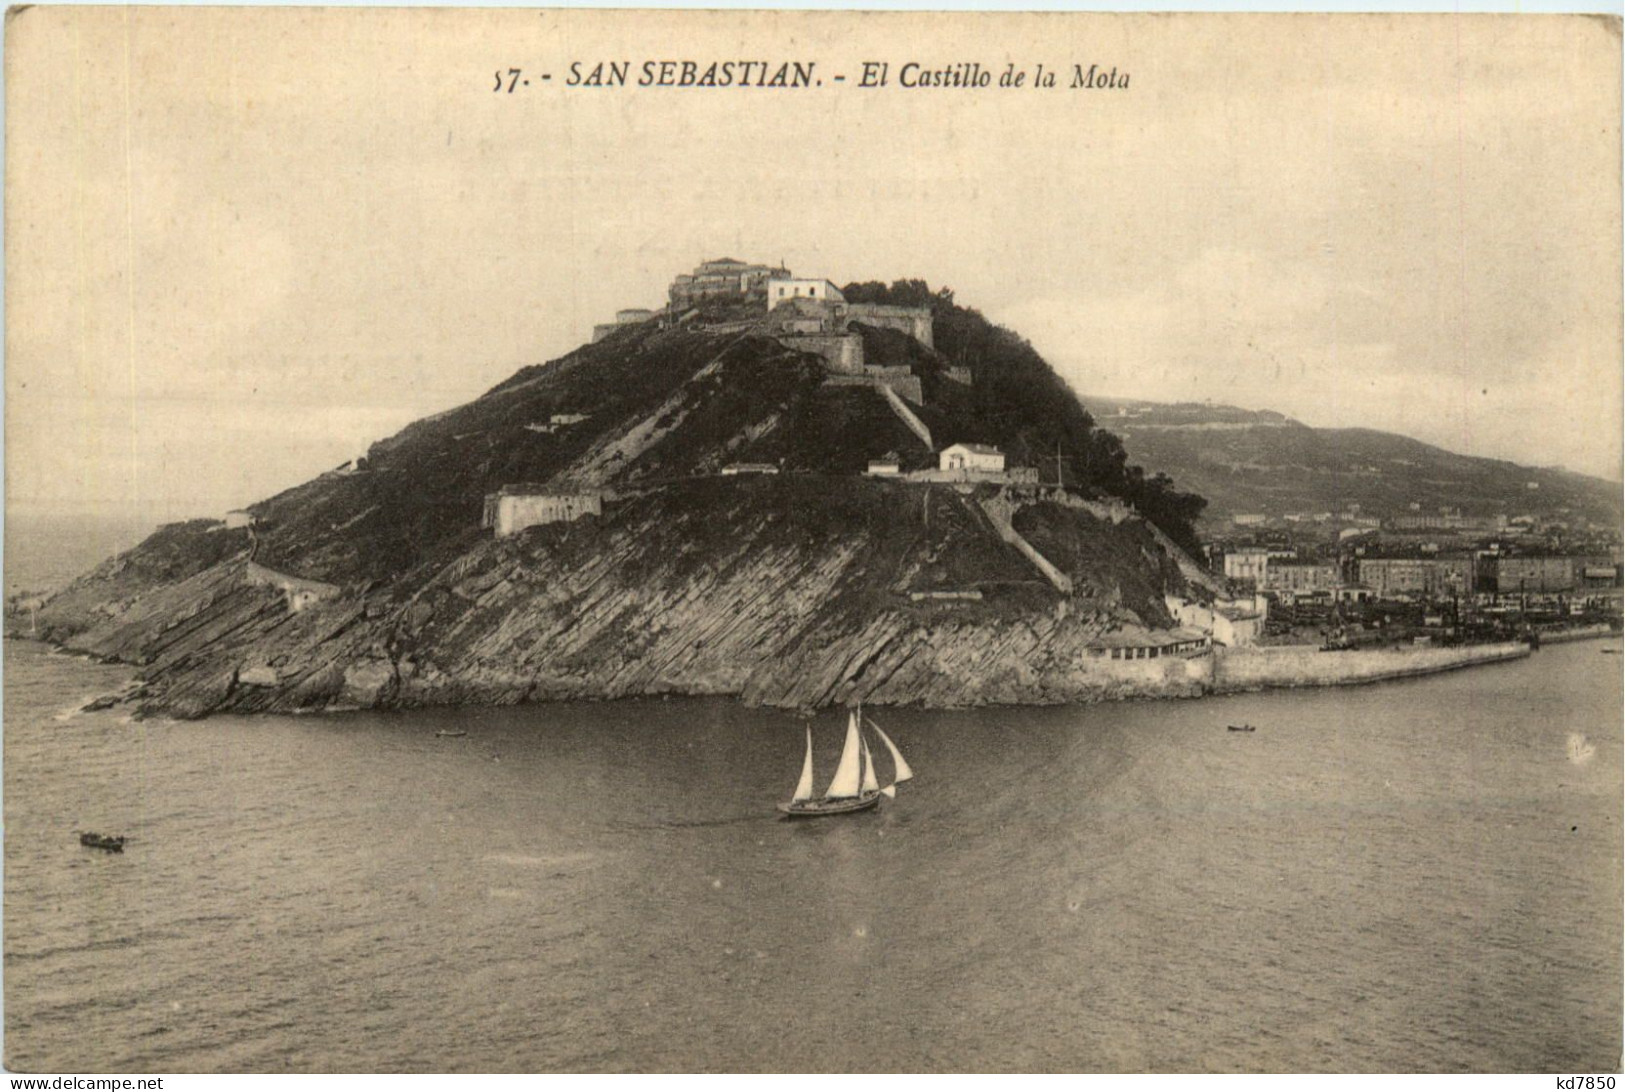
x=1232 y=622
x=780 y=289
x=971 y=457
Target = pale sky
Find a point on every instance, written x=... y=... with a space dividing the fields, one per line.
x=242 y=244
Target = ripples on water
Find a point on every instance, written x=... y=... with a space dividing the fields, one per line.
x=1407 y=876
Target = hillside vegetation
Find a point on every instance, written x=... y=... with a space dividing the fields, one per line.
x=1019 y=403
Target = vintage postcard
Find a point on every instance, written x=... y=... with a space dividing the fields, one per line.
x=765 y=541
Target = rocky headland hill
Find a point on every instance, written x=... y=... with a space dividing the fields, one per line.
x=706 y=521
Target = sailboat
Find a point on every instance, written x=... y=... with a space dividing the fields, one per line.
x=854 y=786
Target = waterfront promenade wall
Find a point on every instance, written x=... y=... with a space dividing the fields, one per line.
x=1306 y=665
x=1164 y=677
x=1577 y=633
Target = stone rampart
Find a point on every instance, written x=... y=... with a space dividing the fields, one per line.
x=1000 y=511
x=908 y=416
x=913 y=321
x=1015 y=475
x=908 y=385
x=300 y=592
x=510 y=513
x=840 y=352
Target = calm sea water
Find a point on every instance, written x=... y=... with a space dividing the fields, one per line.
x=45 y=551
x=1422 y=875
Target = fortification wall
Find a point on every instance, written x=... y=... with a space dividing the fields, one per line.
x=1000 y=510
x=300 y=592
x=1015 y=475
x=512 y=514
x=889 y=373
x=907 y=385
x=841 y=352
x=908 y=416
x=913 y=321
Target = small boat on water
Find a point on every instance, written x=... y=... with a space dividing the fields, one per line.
x=112 y=843
x=447 y=734
x=1614 y=651
x=854 y=786
x=1241 y=728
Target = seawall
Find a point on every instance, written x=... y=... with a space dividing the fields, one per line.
x=1578 y=633
x=1305 y=665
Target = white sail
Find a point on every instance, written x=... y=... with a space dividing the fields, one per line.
x=848 y=774
x=903 y=772
x=890 y=791
x=870 y=782
x=804 y=786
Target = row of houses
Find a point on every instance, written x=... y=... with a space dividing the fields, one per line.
x=1202 y=627
x=1139 y=643
x=1438 y=577
x=1443 y=577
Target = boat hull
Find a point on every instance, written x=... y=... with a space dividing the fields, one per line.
x=813 y=809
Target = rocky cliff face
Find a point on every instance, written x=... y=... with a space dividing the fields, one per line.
x=812 y=586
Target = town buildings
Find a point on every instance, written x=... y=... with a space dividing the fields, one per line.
x=1417 y=577
x=1449 y=520
x=1234 y=621
x=1300 y=577
x=1251 y=563
x=1536 y=575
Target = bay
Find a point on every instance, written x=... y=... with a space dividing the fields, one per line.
x=1410 y=876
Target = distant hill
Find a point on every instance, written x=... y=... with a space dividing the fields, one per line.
x=1256 y=461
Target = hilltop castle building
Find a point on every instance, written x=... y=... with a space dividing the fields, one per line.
x=807 y=314
x=723 y=279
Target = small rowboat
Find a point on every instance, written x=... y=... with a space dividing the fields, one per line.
x=1242 y=728
x=112 y=843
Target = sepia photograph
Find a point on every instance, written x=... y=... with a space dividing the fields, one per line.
x=802 y=542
